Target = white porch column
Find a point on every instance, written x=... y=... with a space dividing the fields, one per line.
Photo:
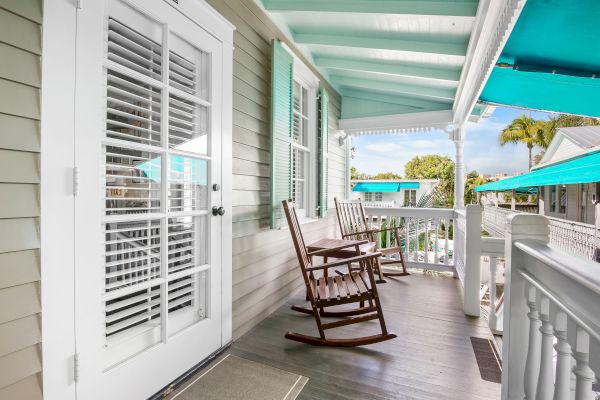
x=459 y=168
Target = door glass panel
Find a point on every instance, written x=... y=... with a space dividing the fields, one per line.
x=187 y=237
x=187 y=253
x=188 y=179
x=188 y=68
x=132 y=323
x=188 y=125
x=133 y=181
x=134 y=50
x=132 y=110
x=132 y=251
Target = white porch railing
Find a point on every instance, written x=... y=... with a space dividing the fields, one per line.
x=438 y=239
x=573 y=237
x=551 y=344
x=379 y=204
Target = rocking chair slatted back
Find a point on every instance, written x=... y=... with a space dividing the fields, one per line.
x=298 y=239
x=352 y=220
x=354 y=225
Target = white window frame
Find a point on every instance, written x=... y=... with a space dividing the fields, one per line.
x=408 y=192
x=306 y=78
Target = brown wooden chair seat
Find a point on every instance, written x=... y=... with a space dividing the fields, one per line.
x=356 y=286
x=354 y=226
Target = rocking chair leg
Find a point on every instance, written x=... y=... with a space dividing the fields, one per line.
x=379 y=271
x=380 y=315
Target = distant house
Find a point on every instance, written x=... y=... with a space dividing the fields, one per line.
x=391 y=193
x=574 y=201
x=566 y=178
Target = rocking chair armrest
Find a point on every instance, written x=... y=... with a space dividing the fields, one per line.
x=330 y=249
x=358 y=233
x=374 y=230
x=343 y=261
x=391 y=228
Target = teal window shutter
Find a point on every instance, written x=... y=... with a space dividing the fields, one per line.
x=323 y=151
x=282 y=86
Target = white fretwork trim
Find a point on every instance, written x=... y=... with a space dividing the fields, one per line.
x=397 y=123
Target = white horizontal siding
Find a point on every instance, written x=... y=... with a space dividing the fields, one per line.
x=20 y=80
x=265 y=266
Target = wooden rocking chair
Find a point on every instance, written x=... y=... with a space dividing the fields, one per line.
x=357 y=286
x=353 y=225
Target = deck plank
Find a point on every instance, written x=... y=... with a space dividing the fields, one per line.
x=432 y=357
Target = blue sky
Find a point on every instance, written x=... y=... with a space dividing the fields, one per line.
x=483 y=153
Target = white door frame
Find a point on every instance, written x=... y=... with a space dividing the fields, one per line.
x=57 y=197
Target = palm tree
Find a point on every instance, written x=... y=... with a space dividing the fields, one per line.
x=524 y=129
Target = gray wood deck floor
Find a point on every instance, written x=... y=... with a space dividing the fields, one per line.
x=432 y=358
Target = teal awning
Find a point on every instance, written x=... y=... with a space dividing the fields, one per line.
x=551 y=60
x=384 y=187
x=585 y=169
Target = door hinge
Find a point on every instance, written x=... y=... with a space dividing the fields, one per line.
x=75 y=181
x=79 y=4
x=76 y=367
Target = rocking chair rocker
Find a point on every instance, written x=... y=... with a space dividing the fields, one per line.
x=353 y=225
x=357 y=286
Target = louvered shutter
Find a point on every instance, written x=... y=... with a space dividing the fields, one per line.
x=323 y=151
x=154 y=195
x=281 y=131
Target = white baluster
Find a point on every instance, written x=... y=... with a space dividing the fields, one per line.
x=532 y=365
x=427 y=241
x=388 y=234
x=545 y=385
x=584 y=376
x=416 y=254
x=406 y=237
x=493 y=317
x=436 y=241
x=562 y=386
x=446 y=255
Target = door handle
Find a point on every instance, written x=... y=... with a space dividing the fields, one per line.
x=218 y=211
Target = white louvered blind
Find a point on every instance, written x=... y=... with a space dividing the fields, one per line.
x=156 y=196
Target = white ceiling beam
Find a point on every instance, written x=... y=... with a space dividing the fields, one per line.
x=396 y=87
x=451 y=74
x=396 y=99
x=417 y=43
x=462 y=8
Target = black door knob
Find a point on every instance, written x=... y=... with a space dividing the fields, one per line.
x=218 y=211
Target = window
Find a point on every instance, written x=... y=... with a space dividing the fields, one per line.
x=304 y=140
x=563 y=199
x=410 y=198
x=301 y=152
x=553 y=199
x=373 y=196
x=298 y=138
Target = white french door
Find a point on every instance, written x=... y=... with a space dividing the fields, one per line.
x=147 y=154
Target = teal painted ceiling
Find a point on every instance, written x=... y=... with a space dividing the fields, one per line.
x=551 y=60
x=383 y=56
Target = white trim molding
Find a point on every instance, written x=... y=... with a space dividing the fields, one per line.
x=495 y=21
x=397 y=123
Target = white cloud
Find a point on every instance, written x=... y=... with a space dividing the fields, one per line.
x=384 y=147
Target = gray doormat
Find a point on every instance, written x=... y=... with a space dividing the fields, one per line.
x=235 y=378
x=488 y=359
